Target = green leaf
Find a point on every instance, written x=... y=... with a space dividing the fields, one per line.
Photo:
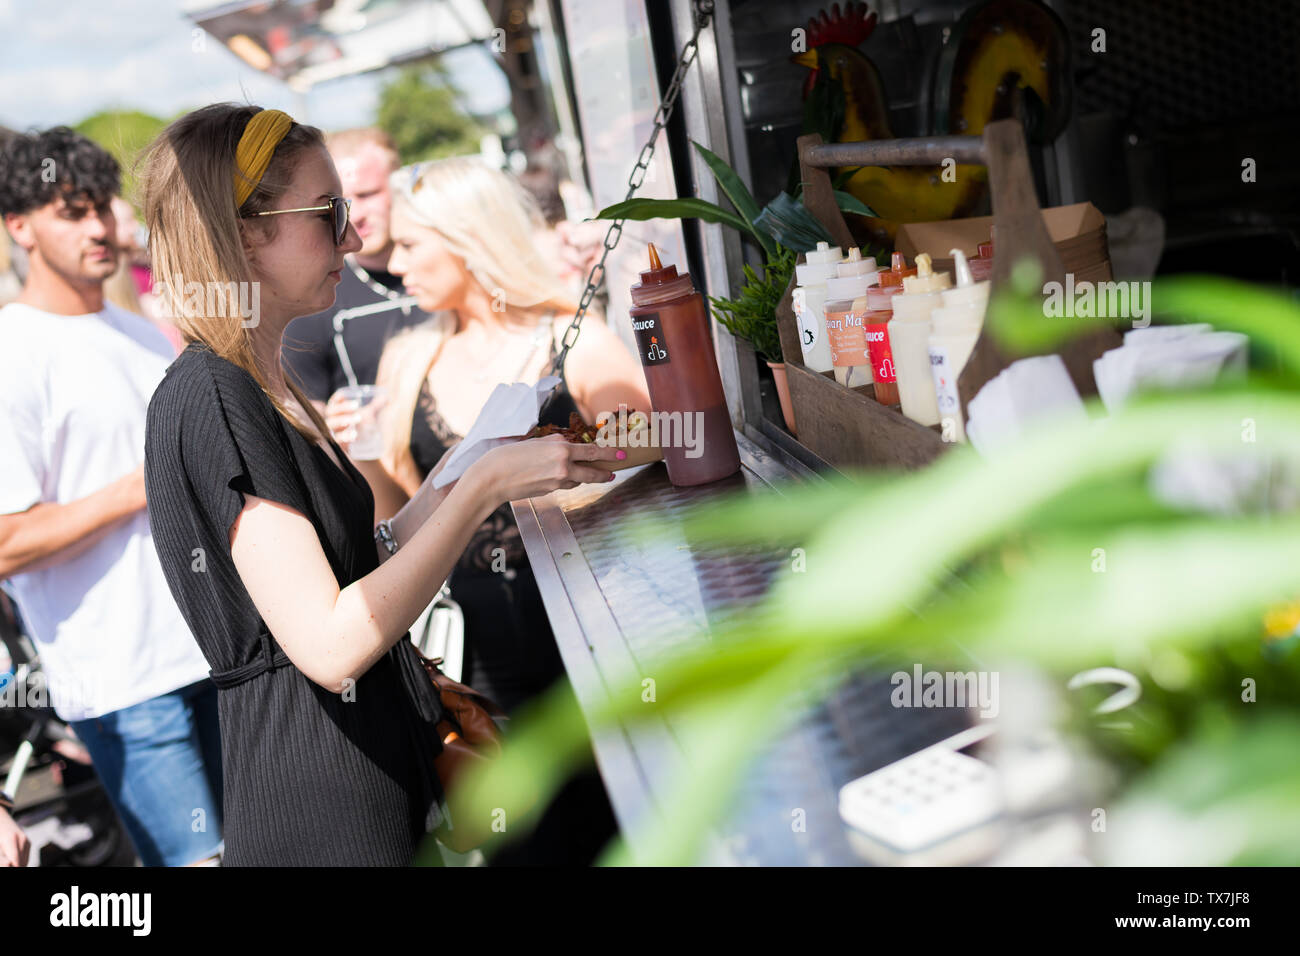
x=734 y=189
x=1271 y=318
x=752 y=314
x=720 y=742
x=1226 y=796
x=641 y=210
x=1187 y=582
x=851 y=203
x=792 y=224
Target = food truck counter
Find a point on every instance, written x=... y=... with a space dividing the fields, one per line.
x=617 y=599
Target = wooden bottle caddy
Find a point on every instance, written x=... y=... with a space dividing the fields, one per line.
x=847 y=427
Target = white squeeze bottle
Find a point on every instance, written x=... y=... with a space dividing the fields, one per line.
x=809 y=301
x=909 y=337
x=954 y=330
x=853 y=266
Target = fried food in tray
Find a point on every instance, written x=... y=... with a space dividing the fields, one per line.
x=630 y=433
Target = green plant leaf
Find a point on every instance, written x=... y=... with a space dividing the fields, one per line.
x=1270 y=318
x=851 y=203
x=792 y=224
x=1226 y=796
x=752 y=314
x=735 y=190
x=1185 y=582
x=721 y=742
x=940 y=517
x=642 y=210
x=1020 y=530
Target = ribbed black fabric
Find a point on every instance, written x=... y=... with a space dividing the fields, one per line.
x=310 y=778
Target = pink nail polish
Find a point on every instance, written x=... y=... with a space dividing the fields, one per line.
x=621 y=455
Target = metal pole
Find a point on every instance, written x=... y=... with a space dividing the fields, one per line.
x=920 y=151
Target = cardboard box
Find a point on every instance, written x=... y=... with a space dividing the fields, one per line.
x=1077 y=231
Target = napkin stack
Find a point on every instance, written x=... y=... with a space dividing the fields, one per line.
x=1022 y=394
x=1168 y=356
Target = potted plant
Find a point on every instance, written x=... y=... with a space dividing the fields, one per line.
x=781 y=230
x=752 y=316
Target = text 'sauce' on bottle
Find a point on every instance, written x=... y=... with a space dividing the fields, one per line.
x=671 y=327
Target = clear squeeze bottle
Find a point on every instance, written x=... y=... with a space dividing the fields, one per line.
x=671 y=326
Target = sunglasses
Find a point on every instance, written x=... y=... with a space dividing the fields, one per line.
x=415 y=176
x=338 y=209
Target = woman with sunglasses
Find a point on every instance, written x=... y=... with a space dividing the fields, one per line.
x=266 y=531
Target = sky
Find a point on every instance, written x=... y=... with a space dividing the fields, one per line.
x=62 y=61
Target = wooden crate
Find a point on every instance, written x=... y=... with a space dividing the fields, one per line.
x=847 y=427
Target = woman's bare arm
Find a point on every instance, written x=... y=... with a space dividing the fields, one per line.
x=335 y=634
x=602 y=373
x=390 y=497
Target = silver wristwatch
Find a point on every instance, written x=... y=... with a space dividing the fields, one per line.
x=384 y=536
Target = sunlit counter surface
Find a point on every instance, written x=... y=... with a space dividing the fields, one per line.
x=617 y=600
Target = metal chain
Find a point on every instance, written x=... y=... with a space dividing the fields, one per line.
x=596 y=278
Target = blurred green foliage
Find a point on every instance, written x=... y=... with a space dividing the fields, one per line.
x=999 y=556
x=419 y=108
x=125 y=134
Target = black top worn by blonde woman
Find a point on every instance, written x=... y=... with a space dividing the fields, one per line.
x=311 y=777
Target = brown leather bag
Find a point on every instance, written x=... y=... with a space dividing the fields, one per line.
x=469 y=735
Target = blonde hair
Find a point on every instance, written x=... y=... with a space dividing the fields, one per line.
x=194 y=231
x=488 y=221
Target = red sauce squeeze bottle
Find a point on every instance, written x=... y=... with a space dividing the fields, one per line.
x=671 y=326
x=880 y=309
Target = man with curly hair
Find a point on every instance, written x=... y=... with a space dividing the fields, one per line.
x=76 y=375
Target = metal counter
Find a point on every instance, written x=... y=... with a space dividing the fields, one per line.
x=615 y=600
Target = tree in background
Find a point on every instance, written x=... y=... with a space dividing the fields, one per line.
x=419 y=109
x=124 y=133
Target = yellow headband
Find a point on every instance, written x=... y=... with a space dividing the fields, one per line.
x=261 y=136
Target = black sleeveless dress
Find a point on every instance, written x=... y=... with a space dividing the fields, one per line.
x=310 y=777
x=510 y=651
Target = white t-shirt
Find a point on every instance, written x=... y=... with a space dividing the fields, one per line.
x=74 y=390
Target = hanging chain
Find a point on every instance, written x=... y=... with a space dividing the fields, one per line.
x=596 y=278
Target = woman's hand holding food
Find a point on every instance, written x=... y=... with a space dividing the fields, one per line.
x=539 y=466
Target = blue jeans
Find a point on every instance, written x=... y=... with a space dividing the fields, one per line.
x=160 y=762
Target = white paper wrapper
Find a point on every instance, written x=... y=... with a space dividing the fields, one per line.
x=509 y=412
x=1021 y=395
x=1195 y=358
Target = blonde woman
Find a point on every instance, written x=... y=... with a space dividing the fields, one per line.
x=265 y=529
x=464 y=246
